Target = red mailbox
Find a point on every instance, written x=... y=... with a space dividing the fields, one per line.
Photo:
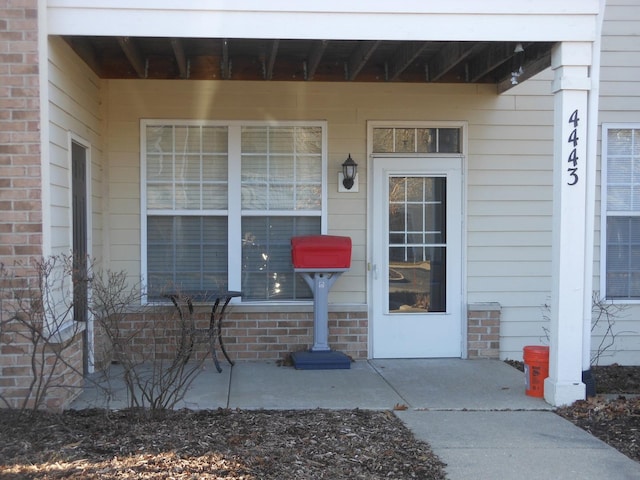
x=321 y=252
x=320 y=259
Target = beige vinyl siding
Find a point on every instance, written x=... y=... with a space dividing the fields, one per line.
x=619 y=103
x=509 y=191
x=75 y=107
x=509 y=201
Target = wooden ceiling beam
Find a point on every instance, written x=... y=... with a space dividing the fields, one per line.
x=132 y=52
x=359 y=58
x=450 y=56
x=225 y=63
x=270 y=61
x=313 y=60
x=181 y=59
x=491 y=58
x=403 y=57
x=488 y=62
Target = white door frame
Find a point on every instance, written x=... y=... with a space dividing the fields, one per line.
x=463 y=125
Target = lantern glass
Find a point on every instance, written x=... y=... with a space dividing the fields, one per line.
x=349 y=168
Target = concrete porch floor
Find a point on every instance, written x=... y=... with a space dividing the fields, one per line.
x=434 y=384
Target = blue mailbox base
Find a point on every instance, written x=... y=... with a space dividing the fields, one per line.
x=330 y=360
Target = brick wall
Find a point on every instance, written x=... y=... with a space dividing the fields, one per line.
x=247 y=336
x=273 y=336
x=58 y=367
x=483 y=330
x=21 y=213
x=20 y=176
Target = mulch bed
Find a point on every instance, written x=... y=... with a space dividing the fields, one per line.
x=615 y=421
x=229 y=444
x=243 y=444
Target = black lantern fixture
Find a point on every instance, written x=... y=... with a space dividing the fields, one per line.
x=349 y=170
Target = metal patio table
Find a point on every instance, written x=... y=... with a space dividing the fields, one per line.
x=218 y=301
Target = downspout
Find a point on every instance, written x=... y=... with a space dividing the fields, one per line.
x=592 y=143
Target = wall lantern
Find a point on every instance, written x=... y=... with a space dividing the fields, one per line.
x=349 y=172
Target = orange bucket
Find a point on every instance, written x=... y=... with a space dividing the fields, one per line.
x=536 y=369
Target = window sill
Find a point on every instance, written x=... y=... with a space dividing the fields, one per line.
x=65 y=333
x=289 y=307
x=293 y=308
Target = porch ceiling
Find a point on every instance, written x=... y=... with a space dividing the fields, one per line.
x=310 y=60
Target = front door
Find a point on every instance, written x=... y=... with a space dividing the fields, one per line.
x=417 y=257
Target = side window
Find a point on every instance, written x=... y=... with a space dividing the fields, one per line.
x=621 y=212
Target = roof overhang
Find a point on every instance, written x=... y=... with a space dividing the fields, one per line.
x=334 y=40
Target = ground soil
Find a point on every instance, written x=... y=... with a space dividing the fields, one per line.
x=235 y=444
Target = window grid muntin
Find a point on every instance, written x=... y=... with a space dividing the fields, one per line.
x=234 y=212
x=178 y=159
x=423 y=202
x=270 y=153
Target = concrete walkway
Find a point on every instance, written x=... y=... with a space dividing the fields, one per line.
x=474 y=414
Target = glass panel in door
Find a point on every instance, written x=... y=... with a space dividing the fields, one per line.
x=417 y=244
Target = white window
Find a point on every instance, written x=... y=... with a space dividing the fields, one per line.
x=222 y=201
x=620 y=277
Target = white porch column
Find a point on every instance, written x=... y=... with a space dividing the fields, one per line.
x=570 y=62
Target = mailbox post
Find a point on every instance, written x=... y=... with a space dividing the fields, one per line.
x=320 y=282
x=320 y=259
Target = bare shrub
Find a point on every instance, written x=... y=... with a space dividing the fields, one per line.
x=38 y=332
x=604 y=314
x=45 y=348
x=153 y=345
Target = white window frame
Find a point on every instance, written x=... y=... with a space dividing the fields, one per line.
x=604 y=157
x=234 y=210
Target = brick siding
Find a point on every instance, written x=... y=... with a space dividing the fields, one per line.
x=273 y=336
x=21 y=211
x=20 y=173
x=483 y=330
x=246 y=336
x=21 y=351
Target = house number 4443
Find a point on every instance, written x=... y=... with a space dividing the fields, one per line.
x=572 y=160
